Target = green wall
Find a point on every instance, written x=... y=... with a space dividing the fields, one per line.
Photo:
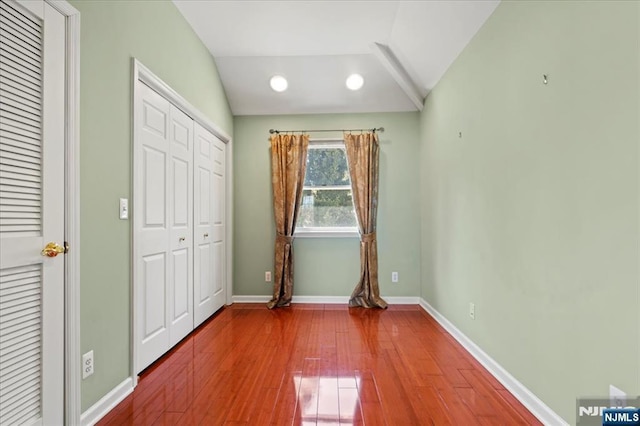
x=112 y=32
x=533 y=213
x=327 y=266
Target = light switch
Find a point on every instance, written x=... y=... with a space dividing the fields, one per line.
x=124 y=208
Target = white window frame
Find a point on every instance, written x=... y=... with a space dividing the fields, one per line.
x=325 y=231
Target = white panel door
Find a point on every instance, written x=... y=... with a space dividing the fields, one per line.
x=181 y=226
x=209 y=224
x=32 y=76
x=219 y=224
x=152 y=226
x=163 y=226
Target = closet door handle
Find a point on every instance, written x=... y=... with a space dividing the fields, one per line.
x=206 y=235
x=181 y=239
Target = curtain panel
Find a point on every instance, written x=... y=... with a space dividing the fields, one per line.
x=363 y=157
x=288 y=164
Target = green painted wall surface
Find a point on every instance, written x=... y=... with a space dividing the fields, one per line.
x=327 y=266
x=112 y=32
x=533 y=213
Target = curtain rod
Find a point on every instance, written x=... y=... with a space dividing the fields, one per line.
x=379 y=129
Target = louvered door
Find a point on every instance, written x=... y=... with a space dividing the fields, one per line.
x=31 y=213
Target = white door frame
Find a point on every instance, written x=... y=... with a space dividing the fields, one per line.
x=72 y=359
x=143 y=74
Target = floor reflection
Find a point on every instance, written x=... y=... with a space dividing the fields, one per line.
x=327 y=400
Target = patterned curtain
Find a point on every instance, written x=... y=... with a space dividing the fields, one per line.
x=288 y=163
x=363 y=156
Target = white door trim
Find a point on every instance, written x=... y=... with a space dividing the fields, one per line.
x=228 y=175
x=143 y=74
x=73 y=363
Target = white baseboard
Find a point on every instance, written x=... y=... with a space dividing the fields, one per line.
x=538 y=408
x=329 y=300
x=402 y=300
x=250 y=299
x=107 y=403
x=399 y=300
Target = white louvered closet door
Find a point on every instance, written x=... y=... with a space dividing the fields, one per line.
x=31 y=213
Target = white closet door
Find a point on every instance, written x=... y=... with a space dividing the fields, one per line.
x=181 y=226
x=152 y=226
x=219 y=223
x=32 y=76
x=209 y=224
x=163 y=223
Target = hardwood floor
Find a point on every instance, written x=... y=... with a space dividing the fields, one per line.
x=319 y=365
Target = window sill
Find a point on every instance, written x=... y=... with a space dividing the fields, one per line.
x=326 y=233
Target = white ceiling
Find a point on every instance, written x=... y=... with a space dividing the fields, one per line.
x=317 y=44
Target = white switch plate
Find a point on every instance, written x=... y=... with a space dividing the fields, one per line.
x=267 y=276
x=124 y=208
x=394 y=277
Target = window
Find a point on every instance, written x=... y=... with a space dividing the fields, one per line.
x=327 y=203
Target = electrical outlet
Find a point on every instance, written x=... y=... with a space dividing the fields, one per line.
x=617 y=398
x=87 y=364
x=394 y=277
x=472 y=310
x=267 y=276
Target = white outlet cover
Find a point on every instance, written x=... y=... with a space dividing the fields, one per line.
x=87 y=364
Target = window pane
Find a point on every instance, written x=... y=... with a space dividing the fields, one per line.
x=326 y=167
x=327 y=208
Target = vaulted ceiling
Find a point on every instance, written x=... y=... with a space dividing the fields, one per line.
x=401 y=48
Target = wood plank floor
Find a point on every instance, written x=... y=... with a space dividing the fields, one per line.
x=319 y=365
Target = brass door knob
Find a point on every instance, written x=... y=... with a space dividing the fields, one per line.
x=52 y=250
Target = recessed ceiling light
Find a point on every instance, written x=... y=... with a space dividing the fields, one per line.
x=355 y=81
x=279 y=83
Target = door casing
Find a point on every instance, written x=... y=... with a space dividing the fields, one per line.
x=73 y=362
